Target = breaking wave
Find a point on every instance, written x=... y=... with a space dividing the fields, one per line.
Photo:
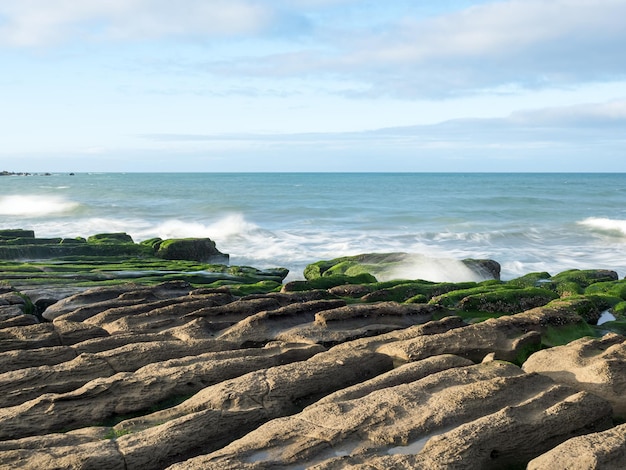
x=35 y=206
x=609 y=226
x=432 y=269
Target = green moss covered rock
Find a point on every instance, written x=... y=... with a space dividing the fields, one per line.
x=419 y=291
x=372 y=263
x=531 y=280
x=195 y=249
x=327 y=282
x=575 y=281
x=507 y=300
x=119 y=237
x=503 y=298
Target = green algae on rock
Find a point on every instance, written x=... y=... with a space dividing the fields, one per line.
x=113 y=258
x=195 y=249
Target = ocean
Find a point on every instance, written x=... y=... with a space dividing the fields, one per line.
x=527 y=222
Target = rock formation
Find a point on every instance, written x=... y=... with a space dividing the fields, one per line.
x=339 y=371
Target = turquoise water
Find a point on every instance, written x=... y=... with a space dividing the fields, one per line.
x=527 y=222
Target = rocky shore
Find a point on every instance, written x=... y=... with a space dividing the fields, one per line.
x=21 y=173
x=153 y=355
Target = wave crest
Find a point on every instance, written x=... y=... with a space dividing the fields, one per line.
x=34 y=205
x=432 y=269
x=610 y=226
x=231 y=225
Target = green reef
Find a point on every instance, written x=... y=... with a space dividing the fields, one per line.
x=114 y=258
x=586 y=293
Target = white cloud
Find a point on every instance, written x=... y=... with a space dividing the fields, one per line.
x=609 y=115
x=41 y=22
x=500 y=47
x=567 y=127
x=529 y=43
x=490 y=46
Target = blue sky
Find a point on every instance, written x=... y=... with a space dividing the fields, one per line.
x=312 y=85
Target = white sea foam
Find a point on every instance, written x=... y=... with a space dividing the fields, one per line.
x=35 y=205
x=221 y=229
x=431 y=269
x=611 y=226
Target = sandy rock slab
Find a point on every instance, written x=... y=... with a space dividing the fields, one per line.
x=210 y=419
x=507 y=338
x=596 y=365
x=24 y=384
x=484 y=416
x=104 y=398
x=95 y=300
x=604 y=450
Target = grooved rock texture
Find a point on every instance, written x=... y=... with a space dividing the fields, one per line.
x=169 y=376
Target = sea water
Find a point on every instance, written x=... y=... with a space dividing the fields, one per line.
x=527 y=222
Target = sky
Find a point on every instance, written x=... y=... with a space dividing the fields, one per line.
x=312 y=85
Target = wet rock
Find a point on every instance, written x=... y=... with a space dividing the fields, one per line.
x=16 y=233
x=486 y=268
x=574 y=281
x=195 y=249
x=328 y=282
x=117 y=237
x=378 y=264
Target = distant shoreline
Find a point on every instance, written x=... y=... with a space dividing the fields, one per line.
x=25 y=173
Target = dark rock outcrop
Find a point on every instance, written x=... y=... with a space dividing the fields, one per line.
x=195 y=249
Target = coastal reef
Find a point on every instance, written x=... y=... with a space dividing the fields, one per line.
x=152 y=355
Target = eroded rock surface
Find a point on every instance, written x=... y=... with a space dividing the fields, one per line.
x=603 y=450
x=150 y=377
x=594 y=365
